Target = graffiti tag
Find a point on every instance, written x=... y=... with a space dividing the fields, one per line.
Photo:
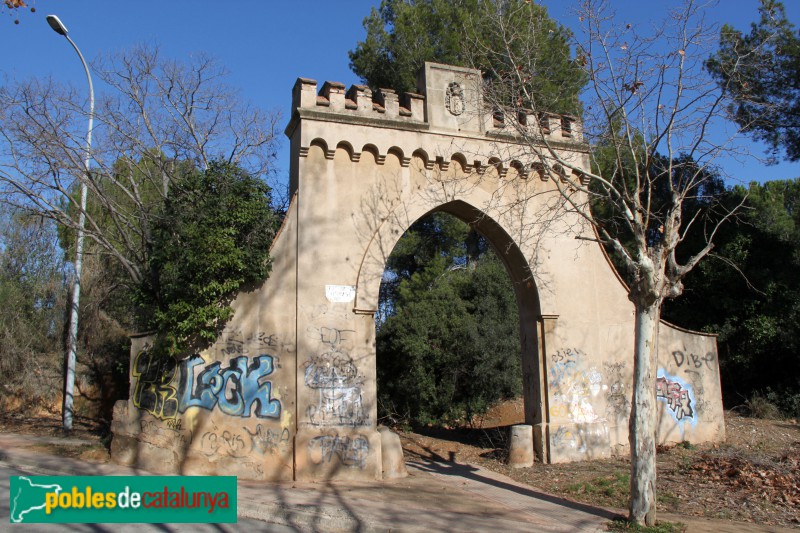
x=153 y=392
x=225 y=443
x=237 y=390
x=167 y=435
x=335 y=377
x=617 y=405
x=693 y=360
x=350 y=451
x=263 y=441
x=573 y=390
x=676 y=395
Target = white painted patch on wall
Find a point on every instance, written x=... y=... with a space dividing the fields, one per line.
x=340 y=293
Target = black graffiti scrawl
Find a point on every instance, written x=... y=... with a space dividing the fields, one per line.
x=335 y=377
x=153 y=392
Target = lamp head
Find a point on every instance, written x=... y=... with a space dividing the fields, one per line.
x=57 y=25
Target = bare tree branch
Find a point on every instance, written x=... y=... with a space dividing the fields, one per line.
x=158 y=120
x=651 y=112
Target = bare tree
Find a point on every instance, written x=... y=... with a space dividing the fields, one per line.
x=31 y=289
x=156 y=119
x=650 y=117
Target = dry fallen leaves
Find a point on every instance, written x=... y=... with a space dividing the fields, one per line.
x=775 y=479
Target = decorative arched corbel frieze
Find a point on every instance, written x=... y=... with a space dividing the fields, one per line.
x=398 y=153
x=371 y=148
x=319 y=142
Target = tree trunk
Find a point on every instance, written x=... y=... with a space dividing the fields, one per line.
x=642 y=423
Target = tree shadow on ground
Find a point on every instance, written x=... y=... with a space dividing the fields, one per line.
x=447 y=468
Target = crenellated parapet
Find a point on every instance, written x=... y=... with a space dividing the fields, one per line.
x=450 y=100
x=358 y=100
x=550 y=126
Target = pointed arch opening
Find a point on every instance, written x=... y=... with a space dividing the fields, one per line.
x=487 y=249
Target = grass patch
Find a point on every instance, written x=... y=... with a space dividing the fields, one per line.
x=615 y=488
x=622 y=525
x=669 y=500
x=724 y=514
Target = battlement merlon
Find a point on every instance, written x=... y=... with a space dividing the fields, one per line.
x=450 y=100
x=359 y=100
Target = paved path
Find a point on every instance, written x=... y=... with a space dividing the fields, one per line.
x=426 y=500
x=436 y=496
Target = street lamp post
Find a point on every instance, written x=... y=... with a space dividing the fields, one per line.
x=72 y=336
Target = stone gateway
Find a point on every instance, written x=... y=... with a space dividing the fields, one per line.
x=288 y=391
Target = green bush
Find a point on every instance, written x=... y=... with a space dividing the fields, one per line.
x=777 y=404
x=759 y=406
x=212 y=238
x=451 y=348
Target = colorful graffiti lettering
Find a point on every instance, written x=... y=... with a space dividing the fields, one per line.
x=350 y=451
x=676 y=394
x=236 y=390
x=572 y=389
x=152 y=391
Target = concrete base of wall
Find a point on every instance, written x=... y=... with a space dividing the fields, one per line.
x=142 y=441
x=338 y=454
x=392 y=459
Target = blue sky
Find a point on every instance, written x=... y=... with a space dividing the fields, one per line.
x=267 y=44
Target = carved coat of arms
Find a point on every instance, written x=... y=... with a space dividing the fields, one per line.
x=454 y=99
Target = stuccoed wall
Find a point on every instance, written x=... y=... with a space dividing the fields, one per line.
x=289 y=389
x=687 y=387
x=230 y=409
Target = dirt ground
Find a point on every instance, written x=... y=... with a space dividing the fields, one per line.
x=753 y=477
x=89 y=439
